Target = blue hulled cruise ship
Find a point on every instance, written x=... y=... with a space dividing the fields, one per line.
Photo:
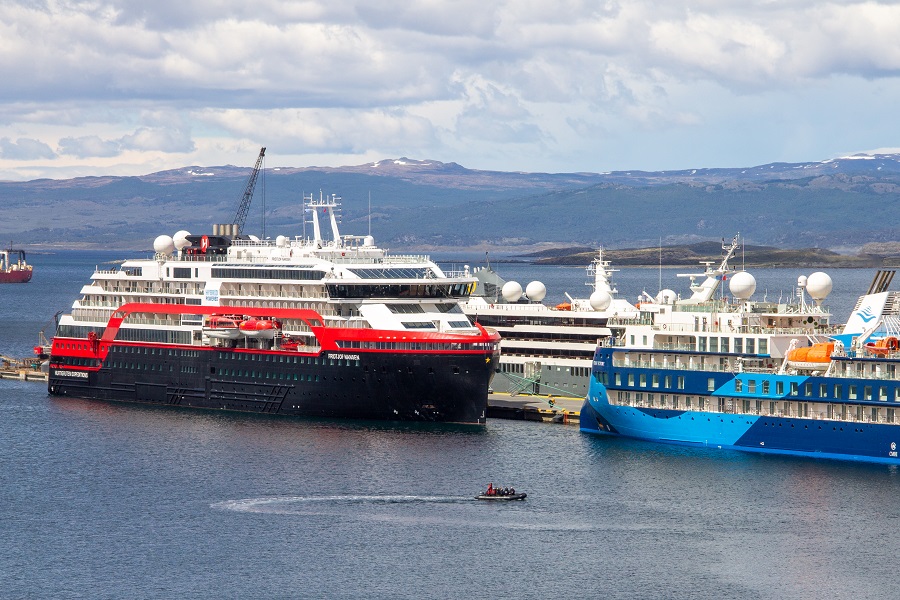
x=723 y=372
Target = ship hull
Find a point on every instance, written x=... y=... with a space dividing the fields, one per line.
x=366 y=385
x=23 y=276
x=869 y=442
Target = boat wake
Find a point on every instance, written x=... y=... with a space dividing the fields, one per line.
x=410 y=510
x=298 y=504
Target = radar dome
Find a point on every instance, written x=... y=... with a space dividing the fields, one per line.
x=742 y=285
x=666 y=297
x=163 y=245
x=281 y=241
x=600 y=300
x=535 y=291
x=511 y=291
x=368 y=241
x=801 y=281
x=819 y=285
x=180 y=239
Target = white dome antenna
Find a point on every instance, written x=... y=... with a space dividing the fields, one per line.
x=164 y=244
x=819 y=285
x=511 y=291
x=742 y=285
x=536 y=291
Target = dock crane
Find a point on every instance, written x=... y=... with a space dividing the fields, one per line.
x=241 y=215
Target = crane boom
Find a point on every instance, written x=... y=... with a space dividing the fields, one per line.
x=241 y=215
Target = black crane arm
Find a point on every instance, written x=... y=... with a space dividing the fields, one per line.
x=241 y=215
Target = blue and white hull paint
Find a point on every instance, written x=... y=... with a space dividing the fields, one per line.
x=869 y=442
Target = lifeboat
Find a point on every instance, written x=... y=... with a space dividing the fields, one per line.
x=290 y=343
x=259 y=328
x=882 y=347
x=563 y=306
x=223 y=328
x=814 y=358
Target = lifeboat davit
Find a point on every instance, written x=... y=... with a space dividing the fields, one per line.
x=259 y=328
x=814 y=358
x=224 y=328
x=883 y=347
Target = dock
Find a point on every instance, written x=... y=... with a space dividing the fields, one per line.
x=28 y=369
x=526 y=407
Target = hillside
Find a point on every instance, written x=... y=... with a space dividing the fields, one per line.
x=694 y=254
x=838 y=205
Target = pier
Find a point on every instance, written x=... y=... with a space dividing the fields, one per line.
x=525 y=407
x=24 y=369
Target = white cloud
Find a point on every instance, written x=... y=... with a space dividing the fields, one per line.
x=480 y=83
x=24 y=149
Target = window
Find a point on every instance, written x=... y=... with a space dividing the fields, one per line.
x=765 y=386
x=738 y=385
x=794 y=388
x=701 y=344
x=655 y=380
x=713 y=344
x=680 y=382
x=763 y=346
x=852 y=394
x=711 y=384
x=751 y=386
x=751 y=347
x=739 y=345
x=724 y=344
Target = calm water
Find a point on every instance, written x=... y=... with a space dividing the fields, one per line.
x=112 y=501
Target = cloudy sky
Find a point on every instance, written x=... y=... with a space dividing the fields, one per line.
x=93 y=87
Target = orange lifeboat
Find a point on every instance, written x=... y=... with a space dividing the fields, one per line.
x=816 y=357
x=259 y=328
x=225 y=328
x=563 y=306
x=291 y=343
x=883 y=347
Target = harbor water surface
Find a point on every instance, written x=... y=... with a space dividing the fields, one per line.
x=110 y=501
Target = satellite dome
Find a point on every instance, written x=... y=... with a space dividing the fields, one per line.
x=180 y=239
x=742 y=285
x=600 y=300
x=801 y=281
x=281 y=241
x=666 y=297
x=164 y=245
x=536 y=291
x=368 y=241
x=511 y=291
x=819 y=285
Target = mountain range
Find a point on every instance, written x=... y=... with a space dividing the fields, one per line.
x=840 y=204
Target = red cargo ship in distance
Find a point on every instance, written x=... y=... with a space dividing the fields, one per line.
x=293 y=326
x=13 y=268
